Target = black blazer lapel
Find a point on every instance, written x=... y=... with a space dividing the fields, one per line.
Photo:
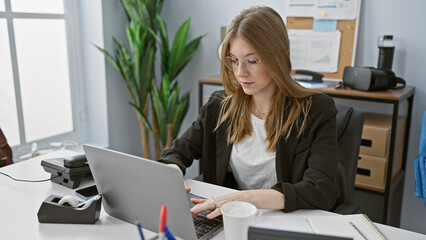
x=285 y=153
x=223 y=153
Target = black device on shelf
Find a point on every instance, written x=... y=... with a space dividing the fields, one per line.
x=67 y=171
x=371 y=79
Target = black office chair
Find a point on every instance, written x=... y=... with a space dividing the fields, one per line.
x=349 y=130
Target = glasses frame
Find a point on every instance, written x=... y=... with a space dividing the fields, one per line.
x=245 y=61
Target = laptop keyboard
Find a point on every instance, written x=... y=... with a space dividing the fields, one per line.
x=203 y=225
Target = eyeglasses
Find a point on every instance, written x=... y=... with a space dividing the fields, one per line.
x=251 y=64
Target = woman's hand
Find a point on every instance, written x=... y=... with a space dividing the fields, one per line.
x=188 y=189
x=262 y=199
x=213 y=204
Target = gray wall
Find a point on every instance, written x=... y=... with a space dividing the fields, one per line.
x=405 y=20
x=93 y=72
x=123 y=127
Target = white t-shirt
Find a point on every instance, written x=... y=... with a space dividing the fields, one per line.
x=253 y=167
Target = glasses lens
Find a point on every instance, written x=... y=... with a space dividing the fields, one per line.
x=251 y=64
x=230 y=63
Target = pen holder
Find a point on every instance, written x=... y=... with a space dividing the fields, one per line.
x=52 y=212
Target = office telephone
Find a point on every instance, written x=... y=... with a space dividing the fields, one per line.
x=68 y=171
x=75 y=161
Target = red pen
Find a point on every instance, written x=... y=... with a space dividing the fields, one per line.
x=163 y=222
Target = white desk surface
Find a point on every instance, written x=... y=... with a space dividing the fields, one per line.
x=20 y=201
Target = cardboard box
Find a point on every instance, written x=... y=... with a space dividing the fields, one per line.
x=376 y=134
x=371 y=172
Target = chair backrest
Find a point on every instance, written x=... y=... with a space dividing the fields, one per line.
x=350 y=123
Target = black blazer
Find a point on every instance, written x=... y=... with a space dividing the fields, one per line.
x=306 y=166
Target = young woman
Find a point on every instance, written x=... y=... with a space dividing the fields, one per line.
x=265 y=134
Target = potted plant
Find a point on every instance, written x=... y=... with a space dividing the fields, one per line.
x=137 y=63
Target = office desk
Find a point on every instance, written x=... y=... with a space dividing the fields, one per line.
x=19 y=204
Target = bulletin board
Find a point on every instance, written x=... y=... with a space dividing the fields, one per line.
x=349 y=32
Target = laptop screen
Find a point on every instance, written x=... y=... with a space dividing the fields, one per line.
x=255 y=233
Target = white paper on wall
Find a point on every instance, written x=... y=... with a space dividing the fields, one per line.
x=323 y=9
x=315 y=51
x=300 y=8
x=336 y=9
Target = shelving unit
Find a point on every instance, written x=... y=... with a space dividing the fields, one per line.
x=391 y=197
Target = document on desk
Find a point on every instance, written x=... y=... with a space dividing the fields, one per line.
x=293 y=221
x=340 y=225
x=316 y=85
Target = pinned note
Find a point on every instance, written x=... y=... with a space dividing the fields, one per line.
x=336 y=9
x=321 y=14
x=325 y=25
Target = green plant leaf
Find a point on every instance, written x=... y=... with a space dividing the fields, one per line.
x=133 y=30
x=181 y=111
x=147 y=73
x=130 y=10
x=182 y=63
x=160 y=114
x=154 y=7
x=171 y=104
x=165 y=52
x=109 y=58
x=179 y=43
x=189 y=51
x=143 y=117
x=124 y=62
x=165 y=89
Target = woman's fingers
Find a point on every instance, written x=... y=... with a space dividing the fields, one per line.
x=213 y=204
x=202 y=205
x=187 y=189
x=215 y=213
x=198 y=200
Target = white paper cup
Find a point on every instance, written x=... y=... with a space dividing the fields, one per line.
x=237 y=217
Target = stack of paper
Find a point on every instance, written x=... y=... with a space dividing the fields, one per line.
x=356 y=226
x=316 y=85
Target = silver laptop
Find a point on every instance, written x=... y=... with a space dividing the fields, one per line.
x=136 y=187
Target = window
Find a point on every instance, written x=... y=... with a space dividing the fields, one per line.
x=39 y=67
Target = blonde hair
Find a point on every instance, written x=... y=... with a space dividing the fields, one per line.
x=265 y=30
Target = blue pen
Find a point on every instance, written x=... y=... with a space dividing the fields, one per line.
x=139 y=225
x=169 y=235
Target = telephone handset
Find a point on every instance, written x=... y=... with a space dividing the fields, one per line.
x=306 y=75
x=75 y=161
